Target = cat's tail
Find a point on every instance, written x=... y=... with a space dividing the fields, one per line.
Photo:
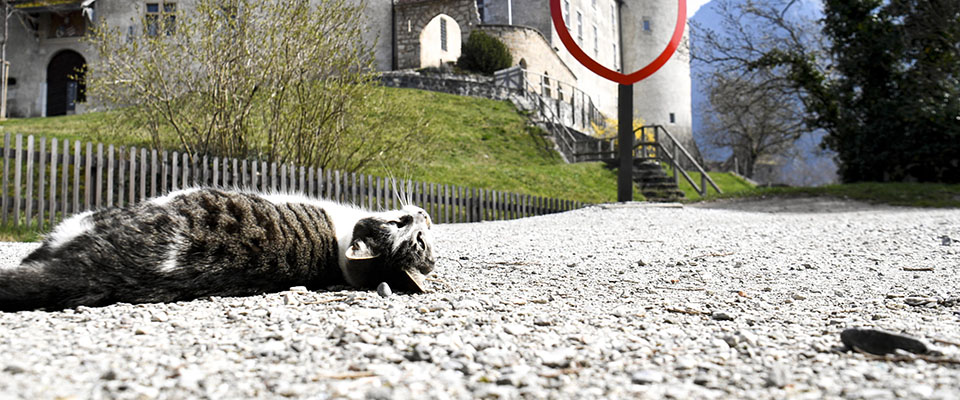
x=32 y=286
x=23 y=288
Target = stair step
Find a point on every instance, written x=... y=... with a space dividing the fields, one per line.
x=657 y=179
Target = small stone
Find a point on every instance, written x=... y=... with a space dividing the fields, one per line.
x=946 y=240
x=271 y=347
x=646 y=377
x=878 y=342
x=383 y=289
x=109 y=375
x=684 y=363
x=721 y=316
x=420 y=352
x=776 y=378
x=290 y=299
x=559 y=358
x=640 y=263
x=423 y=310
x=468 y=305
x=14 y=369
x=917 y=301
x=798 y=296
x=516 y=329
x=298 y=289
x=540 y=321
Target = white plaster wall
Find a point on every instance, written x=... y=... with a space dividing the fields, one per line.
x=377 y=30
x=668 y=90
x=432 y=53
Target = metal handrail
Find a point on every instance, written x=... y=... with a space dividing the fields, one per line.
x=673 y=159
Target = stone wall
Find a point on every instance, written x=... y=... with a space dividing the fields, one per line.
x=529 y=45
x=412 y=16
x=463 y=85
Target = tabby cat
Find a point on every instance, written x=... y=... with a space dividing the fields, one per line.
x=197 y=242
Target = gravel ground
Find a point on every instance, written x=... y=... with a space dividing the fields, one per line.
x=724 y=300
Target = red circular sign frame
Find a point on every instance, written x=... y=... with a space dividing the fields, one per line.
x=625 y=79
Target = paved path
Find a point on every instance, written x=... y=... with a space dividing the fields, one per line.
x=726 y=300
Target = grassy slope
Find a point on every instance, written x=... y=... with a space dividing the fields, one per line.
x=897 y=194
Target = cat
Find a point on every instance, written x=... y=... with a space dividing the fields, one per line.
x=201 y=242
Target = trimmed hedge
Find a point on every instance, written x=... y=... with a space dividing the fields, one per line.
x=484 y=53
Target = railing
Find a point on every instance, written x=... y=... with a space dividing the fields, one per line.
x=656 y=143
x=48 y=180
x=583 y=111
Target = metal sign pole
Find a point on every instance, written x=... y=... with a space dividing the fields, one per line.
x=625 y=139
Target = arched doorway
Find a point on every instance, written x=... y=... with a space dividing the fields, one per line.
x=65 y=83
x=439 y=41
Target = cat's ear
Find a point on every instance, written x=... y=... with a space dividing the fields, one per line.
x=360 y=251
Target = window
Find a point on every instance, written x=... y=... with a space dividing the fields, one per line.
x=161 y=19
x=613 y=20
x=69 y=24
x=615 y=57
x=673 y=118
x=566 y=13
x=646 y=25
x=480 y=8
x=596 y=42
x=579 y=27
x=443 y=34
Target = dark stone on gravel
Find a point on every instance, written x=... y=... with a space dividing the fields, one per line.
x=879 y=342
x=383 y=289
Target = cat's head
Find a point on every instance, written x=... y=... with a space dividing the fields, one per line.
x=394 y=247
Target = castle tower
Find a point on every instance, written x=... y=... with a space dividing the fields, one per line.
x=664 y=97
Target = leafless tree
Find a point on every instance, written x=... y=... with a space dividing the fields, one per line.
x=753 y=119
x=287 y=81
x=755 y=112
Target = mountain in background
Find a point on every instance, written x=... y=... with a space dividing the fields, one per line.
x=812 y=167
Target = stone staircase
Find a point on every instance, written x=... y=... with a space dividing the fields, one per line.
x=654 y=183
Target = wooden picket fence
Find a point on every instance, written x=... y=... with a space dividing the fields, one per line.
x=52 y=180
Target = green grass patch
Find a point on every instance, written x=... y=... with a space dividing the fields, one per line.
x=90 y=127
x=19 y=234
x=930 y=195
x=730 y=184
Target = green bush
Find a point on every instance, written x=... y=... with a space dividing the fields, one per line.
x=484 y=53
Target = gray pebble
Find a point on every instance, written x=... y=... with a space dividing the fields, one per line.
x=646 y=377
x=383 y=289
x=721 y=316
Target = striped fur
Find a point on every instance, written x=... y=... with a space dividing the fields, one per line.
x=208 y=242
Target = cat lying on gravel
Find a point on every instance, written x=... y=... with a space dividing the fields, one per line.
x=208 y=242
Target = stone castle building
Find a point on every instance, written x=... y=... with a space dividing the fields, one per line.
x=45 y=47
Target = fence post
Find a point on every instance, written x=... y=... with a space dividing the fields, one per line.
x=41 y=187
x=4 y=191
x=110 y=167
x=29 y=200
x=53 y=182
x=16 y=181
x=703 y=183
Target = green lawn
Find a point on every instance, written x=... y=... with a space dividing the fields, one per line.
x=896 y=194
